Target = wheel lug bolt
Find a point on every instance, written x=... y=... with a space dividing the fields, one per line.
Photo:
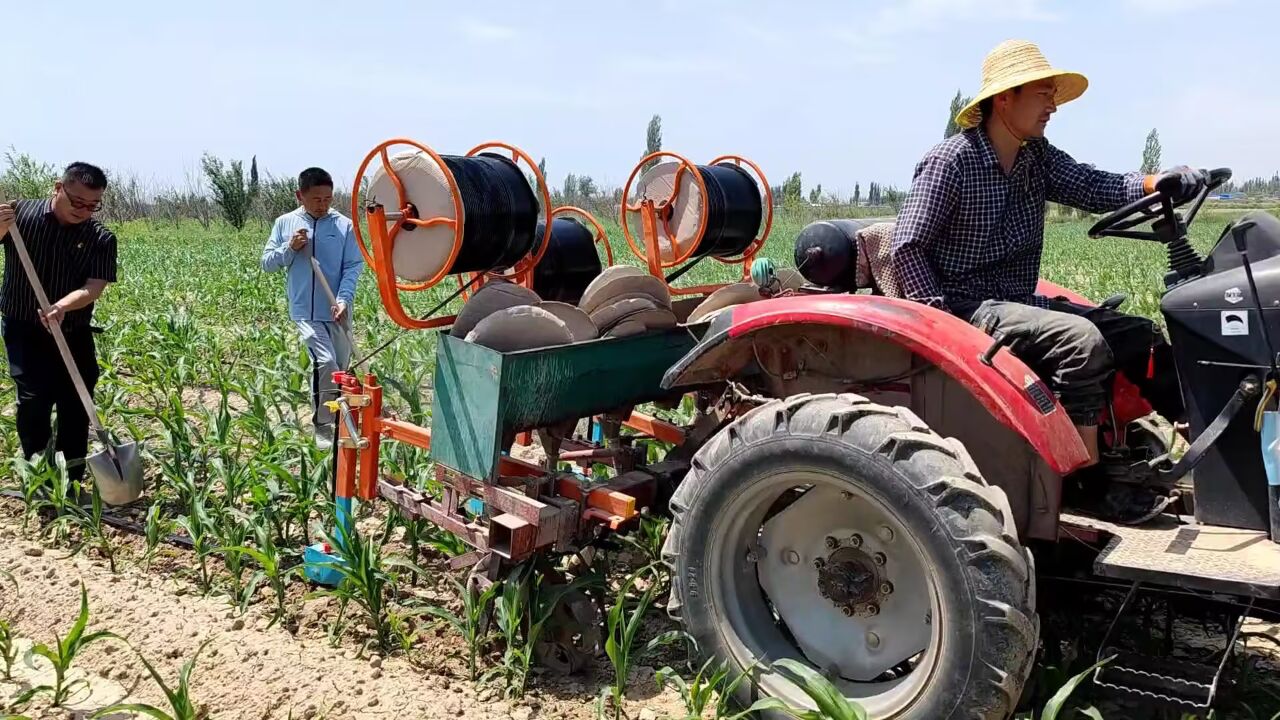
x=855 y=540
x=819 y=563
x=832 y=543
x=848 y=611
x=886 y=588
x=873 y=609
x=880 y=559
x=886 y=533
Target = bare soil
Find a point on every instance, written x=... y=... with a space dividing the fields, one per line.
x=249 y=671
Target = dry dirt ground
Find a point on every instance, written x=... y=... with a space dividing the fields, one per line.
x=247 y=671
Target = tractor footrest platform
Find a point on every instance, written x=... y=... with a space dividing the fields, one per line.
x=1179 y=684
x=1167 y=552
x=1168 y=680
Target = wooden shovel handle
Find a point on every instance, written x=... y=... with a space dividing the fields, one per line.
x=56 y=329
x=333 y=300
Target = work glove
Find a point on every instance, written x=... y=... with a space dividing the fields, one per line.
x=1180 y=183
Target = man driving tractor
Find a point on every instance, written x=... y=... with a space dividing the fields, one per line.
x=969 y=240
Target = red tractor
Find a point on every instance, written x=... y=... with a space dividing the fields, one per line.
x=870 y=505
x=865 y=477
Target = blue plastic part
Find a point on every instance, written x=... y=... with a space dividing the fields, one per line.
x=597 y=434
x=314 y=555
x=344 y=517
x=1271 y=446
x=475 y=506
x=317 y=573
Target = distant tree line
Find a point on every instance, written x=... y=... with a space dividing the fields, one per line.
x=220 y=189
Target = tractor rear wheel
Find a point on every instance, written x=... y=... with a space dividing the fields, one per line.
x=848 y=536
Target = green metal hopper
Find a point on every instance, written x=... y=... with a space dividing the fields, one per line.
x=480 y=394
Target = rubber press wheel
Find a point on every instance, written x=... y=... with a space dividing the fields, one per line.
x=849 y=537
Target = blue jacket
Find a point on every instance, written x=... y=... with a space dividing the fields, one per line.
x=334 y=244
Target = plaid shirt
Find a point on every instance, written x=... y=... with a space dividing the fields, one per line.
x=968 y=232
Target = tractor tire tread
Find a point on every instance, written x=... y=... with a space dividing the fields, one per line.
x=977 y=517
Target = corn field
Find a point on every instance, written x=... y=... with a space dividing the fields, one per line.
x=201 y=365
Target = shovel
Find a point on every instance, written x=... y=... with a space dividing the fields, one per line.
x=117 y=470
x=333 y=300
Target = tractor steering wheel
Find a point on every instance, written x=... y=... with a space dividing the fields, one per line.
x=1156 y=205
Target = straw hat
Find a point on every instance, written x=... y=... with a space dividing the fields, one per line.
x=1018 y=62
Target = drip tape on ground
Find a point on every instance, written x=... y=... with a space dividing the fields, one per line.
x=118 y=523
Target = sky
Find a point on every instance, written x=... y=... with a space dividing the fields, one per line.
x=841 y=91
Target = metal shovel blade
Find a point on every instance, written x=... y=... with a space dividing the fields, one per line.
x=118 y=478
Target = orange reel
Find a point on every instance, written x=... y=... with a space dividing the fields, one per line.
x=654 y=211
x=602 y=238
x=377 y=251
x=767 y=193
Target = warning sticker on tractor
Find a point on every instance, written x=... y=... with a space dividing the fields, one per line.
x=1235 y=322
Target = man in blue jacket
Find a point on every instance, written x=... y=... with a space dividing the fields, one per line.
x=314 y=229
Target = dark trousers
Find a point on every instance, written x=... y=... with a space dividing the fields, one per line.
x=42 y=383
x=1077 y=349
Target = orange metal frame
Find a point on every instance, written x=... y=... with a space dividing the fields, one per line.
x=651 y=213
x=382 y=240
x=358 y=458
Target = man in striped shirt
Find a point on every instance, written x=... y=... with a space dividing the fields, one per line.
x=74 y=257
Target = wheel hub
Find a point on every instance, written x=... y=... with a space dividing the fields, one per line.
x=842 y=575
x=848 y=578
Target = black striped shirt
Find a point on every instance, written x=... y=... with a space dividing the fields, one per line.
x=65 y=257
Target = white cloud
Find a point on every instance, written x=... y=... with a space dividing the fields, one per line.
x=484 y=31
x=905 y=16
x=878 y=39
x=1167 y=7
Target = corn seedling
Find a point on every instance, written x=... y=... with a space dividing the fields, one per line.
x=155 y=529
x=63 y=653
x=34 y=480
x=623 y=627
x=181 y=707
x=270 y=560
x=522 y=611
x=830 y=703
x=231 y=529
x=200 y=528
x=8 y=652
x=648 y=537
x=48 y=491
x=442 y=541
x=1055 y=704
x=366 y=580
x=509 y=612
x=714 y=680
x=543 y=600
x=470 y=624
x=93 y=531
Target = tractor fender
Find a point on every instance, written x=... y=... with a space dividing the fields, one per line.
x=1007 y=388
